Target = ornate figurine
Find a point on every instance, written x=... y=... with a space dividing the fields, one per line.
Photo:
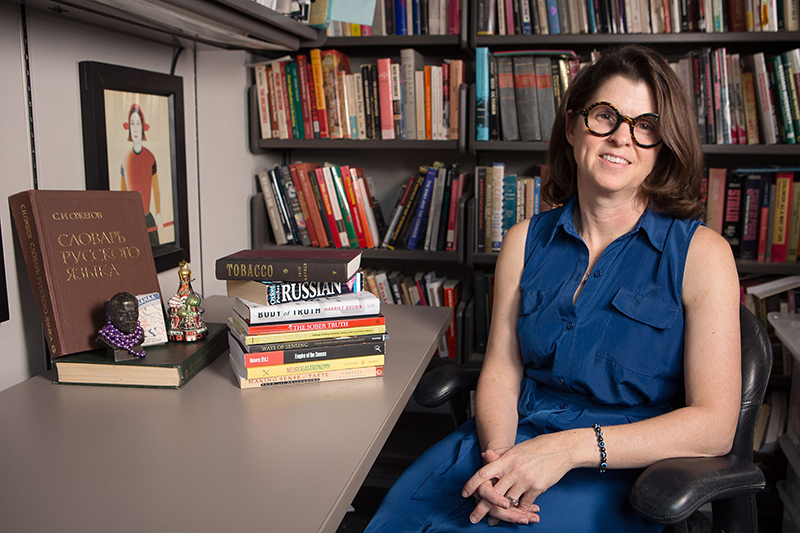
x=122 y=335
x=185 y=320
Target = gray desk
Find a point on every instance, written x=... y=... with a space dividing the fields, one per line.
x=209 y=457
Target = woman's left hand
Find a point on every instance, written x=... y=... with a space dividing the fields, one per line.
x=523 y=472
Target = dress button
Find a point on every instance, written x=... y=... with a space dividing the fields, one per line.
x=563 y=406
x=598 y=273
x=570 y=325
x=560 y=381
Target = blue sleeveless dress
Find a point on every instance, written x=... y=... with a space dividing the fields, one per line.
x=614 y=357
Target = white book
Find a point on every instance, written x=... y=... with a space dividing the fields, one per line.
x=410 y=62
x=436 y=92
x=280 y=87
x=262 y=93
x=419 y=86
x=409 y=16
x=771 y=23
x=433 y=17
x=362 y=303
x=791 y=18
x=443 y=17
x=352 y=106
x=361 y=118
x=644 y=9
x=675 y=15
x=385 y=291
x=361 y=189
x=767 y=119
x=498 y=172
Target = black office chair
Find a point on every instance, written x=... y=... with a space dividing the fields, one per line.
x=669 y=491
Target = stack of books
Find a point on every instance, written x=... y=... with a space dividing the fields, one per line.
x=301 y=316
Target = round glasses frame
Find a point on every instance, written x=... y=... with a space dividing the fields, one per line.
x=620 y=119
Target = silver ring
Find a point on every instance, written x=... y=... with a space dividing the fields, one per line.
x=514 y=501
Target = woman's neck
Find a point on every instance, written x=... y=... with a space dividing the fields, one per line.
x=601 y=221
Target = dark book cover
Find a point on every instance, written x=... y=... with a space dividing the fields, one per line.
x=441 y=237
x=303 y=264
x=708 y=84
x=302 y=355
x=480 y=299
x=319 y=343
x=287 y=217
x=80 y=249
x=368 y=96
x=406 y=210
x=293 y=205
x=698 y=84
x=750 y=217
x=295 y=105
x=494 y=112
x=376 y=102
x=480 y=209
x=527 y=99
x=507 y=99
x=544 y=88
x=170 y=365
x=388 y=14
x=732 y=219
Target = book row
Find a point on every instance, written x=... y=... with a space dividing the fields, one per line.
x=322 y=206
x=501 y=200
x=394 y=287
x=553 y=17
x=406 y=17
x=319 y=96
x=758 y=213
x=517 y=93
x=751 y=99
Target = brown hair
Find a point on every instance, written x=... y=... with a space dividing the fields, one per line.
x=674 y=185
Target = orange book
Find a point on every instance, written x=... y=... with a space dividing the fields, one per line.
x=456 y=79
x=319 y=92
x=311 y=201
x=428 y=104
x=323 y=191
x=780 y=220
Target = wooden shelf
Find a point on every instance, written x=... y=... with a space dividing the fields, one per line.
x=749 y=266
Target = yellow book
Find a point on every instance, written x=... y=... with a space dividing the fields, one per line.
x=271 y=371
x=304 y=335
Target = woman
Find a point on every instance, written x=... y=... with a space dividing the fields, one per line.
x=605 y=310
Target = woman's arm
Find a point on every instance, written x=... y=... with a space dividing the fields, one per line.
x=705 y=427
x=498 y=389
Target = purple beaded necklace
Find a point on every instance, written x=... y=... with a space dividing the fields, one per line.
x=123 y=340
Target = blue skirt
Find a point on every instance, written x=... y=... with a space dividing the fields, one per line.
x=427 y=497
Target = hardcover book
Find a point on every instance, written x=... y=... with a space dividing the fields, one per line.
x=80 y=249
x=289 y=265
x=313 y=377
x=169 y=365
x=279 y=292
x=301 y=355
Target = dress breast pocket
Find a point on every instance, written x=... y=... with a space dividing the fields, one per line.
x=640 y=335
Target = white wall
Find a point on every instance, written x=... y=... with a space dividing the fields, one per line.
x=219 y=179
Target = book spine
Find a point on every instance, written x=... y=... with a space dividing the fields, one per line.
x=344 y=105
x=280 y=101
x=319 y=92
x=272 y=208
x=452 y=217
x=341 y=197
x=273 y=104
x=292 y=310
x=336 y=207
x=508 y=104
x=793 y=91
x=750 y=226
x=319 y=366
x=731 y=225
x=305 y=97
x=715 y=211
x=397 y=101
x=783 y=103
x=368 y=215
x=304 y=355
x=494 y=111
x=794 y=221
x=272 y=269
x=264 y=122
x=304 y=207
x=307 y=335
x=422 y=208
x=361 y=117
x=498 y=171
x=480 y=209
x=397 y=209
x=313 y=202
x=553 y=19
x=409 y=65
x=411 y=194
x=355 y=212
x=312 y=98
x=314 y=377
x=333 y=228
x=764 y=219
x=215 y=345
x=305 y=344
x=368 y=97
x=27 y=224
x=780 y=221
x=546 y=97
x=385 y=98
x=290 y=193
x=482 y=94
x=288 y=102
x=750 y=111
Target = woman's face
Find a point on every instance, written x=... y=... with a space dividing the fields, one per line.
x=613 y=165
x=135 y=126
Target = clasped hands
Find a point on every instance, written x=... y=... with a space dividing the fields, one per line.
x=519 y=473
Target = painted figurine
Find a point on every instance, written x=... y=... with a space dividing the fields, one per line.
x=122 y=335
x=185 y=314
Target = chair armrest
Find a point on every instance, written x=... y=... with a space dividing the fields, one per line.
x=670 y=490
x=445 y=382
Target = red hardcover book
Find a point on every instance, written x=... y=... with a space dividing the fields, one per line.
x=454 y=18
x=359 y=191
x=780 y=220
x=452 y=214
x=312 y=100
x=385 y=98
x=304 y=207
x=326 y=200
x=305 y=97
x=355 y=215
x=315 y=56
x=80 y=249
x=452 y=297
x=310 y=325
x=737 y=20
x=312 y=202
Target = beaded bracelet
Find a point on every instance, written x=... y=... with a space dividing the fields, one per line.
x=602 y=445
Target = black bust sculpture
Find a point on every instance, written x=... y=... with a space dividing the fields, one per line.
x=122 y=335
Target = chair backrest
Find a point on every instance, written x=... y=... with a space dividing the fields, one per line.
x=756 y=367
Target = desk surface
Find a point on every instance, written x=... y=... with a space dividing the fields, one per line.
x=209 y=457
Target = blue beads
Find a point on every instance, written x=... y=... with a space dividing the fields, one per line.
x=602 y=446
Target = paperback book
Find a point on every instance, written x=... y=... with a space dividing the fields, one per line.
x=347 y=305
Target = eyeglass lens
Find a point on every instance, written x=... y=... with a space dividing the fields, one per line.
x=603 y=119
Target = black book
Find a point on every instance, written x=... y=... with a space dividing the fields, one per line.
x=494 y=116
x=423 y=18
x=711 y=127
x=699 y=90
x=296 y=213
x=507 y=100
x=441 y=238
x=732 y=219
x=389 y=16
x=527 y=99
x=376 y=105
x=286 y=217
x=750 y=217
x=480 y=209
x=368 y=96
x=481 y=294
x=407 y=215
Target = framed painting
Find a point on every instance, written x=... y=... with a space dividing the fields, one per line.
x=133 y=139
